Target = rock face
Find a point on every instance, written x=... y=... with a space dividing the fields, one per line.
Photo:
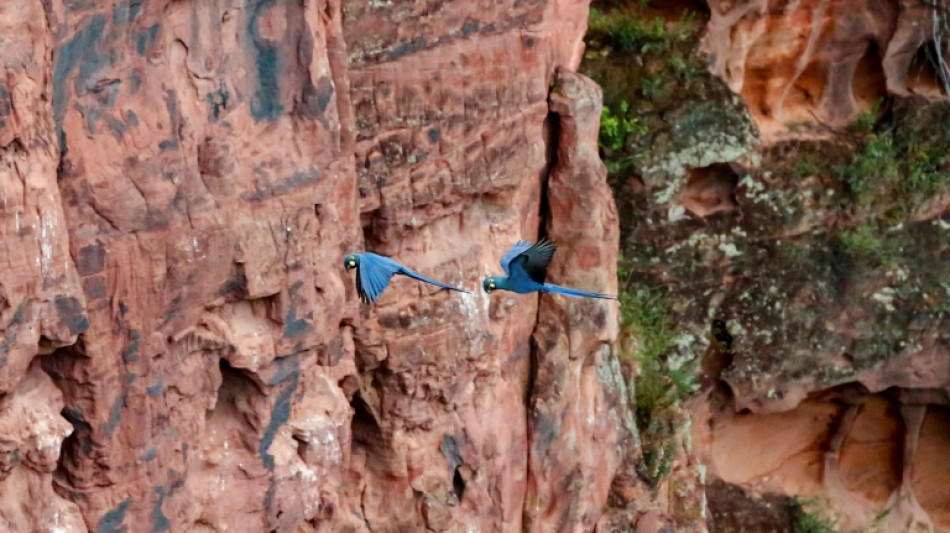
x=798 y=236
x=850 y=413
x=576 y=372
x=32 y=436
x=868 y=458
x=179 y=183
x=825 y=60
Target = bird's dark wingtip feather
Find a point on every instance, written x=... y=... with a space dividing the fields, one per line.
x=360 y=289
x=364 y=297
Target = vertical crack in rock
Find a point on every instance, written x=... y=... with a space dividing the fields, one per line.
x=574 y=395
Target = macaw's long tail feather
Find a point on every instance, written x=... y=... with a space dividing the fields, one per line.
x=420 y=277
x=556 y=289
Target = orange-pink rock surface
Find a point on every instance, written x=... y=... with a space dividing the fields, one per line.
x=182 y=349
x=858 y=440
x=824 y=61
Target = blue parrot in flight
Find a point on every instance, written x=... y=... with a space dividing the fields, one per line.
x=526 y=266
x=374 y=271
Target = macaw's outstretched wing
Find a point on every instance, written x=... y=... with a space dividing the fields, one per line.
x=415 y=275
x=567 y=291
x=373 y=275
x=513 y=252
x=534 y=260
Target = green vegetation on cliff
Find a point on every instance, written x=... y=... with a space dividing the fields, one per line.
x=647 y=336
x=644 y=61
x=894 y=175
x=808 y=519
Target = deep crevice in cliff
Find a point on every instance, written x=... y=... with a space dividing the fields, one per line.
x=366 y=430
x=371 y=438
x=458 y=484
x=924 y=76
x=61 y=366
x=869 y=84
x=39 y=426
x=551 y=132
x=551 y=138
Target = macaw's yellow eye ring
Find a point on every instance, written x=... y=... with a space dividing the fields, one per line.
x=491 y=284
x=352 y=263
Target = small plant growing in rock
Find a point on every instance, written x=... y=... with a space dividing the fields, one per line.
x=808 y=519
x=805 y=167
x=894 y=173
x=616 y=127
x=868 y=119
x=651 y=87
x=647 y=64
x=866 y=240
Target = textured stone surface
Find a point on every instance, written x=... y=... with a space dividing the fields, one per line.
x=799 y=247
x=208 y=191
x=798 y=62
x=31 y=434
x=579 y=413
x=179 y=182
x=860 y=455
x=806 y=310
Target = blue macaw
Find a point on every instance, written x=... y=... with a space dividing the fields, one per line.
x=374 y=271
x=526 y=266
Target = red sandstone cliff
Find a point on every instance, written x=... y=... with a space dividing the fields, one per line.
x=182 y=349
